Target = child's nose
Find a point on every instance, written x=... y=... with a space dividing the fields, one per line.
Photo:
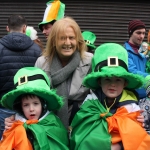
x=31 y=108
x=113 y=83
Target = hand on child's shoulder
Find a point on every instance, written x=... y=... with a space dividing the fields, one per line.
x=115 y=146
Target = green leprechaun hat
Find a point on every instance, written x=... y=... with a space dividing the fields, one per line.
x=54 y=11
x=89 y=38
x=111 y=59
x=32 y=80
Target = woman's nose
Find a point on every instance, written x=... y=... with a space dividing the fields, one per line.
x=67 y=41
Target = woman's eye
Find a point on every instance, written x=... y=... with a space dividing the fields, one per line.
x=62 y=38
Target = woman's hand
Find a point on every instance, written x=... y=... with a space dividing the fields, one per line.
x=9 y=121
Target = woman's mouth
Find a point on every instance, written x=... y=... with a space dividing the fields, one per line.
x=67 y=48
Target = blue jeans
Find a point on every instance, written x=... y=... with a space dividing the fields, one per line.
x=4 y=113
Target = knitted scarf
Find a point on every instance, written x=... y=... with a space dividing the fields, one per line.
x=60 y=77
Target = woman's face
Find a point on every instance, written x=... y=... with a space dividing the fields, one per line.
x=66 y=44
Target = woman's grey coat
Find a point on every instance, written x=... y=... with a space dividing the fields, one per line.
x=77 y=91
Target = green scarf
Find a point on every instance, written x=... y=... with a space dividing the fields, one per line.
x=89 y=129
x=49 y=134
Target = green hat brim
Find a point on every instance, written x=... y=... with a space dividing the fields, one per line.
x=53 y=101
x=91 y=46
x=134 y=81
x=45 y=22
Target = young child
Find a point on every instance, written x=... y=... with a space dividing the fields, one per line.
x=107 y=119
x=145 y=104
x=36 y=126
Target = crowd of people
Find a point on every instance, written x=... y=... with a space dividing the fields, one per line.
x=71 y=94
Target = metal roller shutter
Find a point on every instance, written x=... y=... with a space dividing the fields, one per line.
x=31 y=9
x=107 y=19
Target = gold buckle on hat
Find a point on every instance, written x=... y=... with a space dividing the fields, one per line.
x=22 y=80
x=112 y=61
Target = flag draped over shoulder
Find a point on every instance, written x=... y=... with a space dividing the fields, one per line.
x=49 y=133
x=89 y=130
x=94 y=128
x=16 y=137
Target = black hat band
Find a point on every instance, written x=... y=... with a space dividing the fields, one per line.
x=111 y=62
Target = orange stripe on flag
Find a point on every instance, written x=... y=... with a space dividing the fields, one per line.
x=52 y=14
x=123 y=126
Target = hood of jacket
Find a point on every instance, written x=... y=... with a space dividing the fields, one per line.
x=16 y=41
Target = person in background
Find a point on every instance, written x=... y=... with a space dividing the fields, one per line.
x=34 y=102
x=107 y=119
x=54 y=11
x=32 y=33
x=143 y=48
x=137 y=61
x=89 y=38
x=17 y=50
x=145 y=104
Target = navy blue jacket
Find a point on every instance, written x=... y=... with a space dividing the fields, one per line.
x=16 y=51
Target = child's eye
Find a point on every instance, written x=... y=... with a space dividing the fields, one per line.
x=36 y=103
x=107 y=79
x=118 y=80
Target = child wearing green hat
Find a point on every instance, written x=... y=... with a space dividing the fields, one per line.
x=35 y=126
x=107 y=119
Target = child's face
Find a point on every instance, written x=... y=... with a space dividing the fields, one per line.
x=31 y=107
x=112 y=87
